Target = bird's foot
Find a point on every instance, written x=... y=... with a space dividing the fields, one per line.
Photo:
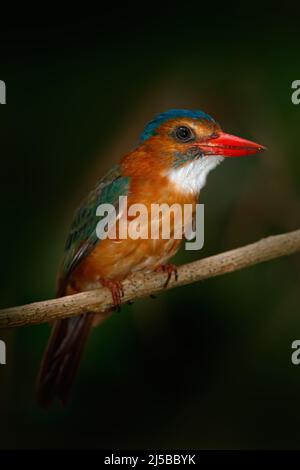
x=117 y=292
x=169 y=269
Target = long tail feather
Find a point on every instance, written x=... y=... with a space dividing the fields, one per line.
x=62 y=358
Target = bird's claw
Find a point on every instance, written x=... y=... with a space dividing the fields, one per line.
x=117 y=292
x=169 y=269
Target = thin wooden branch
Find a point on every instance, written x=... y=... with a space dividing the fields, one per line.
x=138 y=286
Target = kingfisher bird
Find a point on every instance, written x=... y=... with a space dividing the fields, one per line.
x=170 y=164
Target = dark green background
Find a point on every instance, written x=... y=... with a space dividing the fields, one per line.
x=203 y=366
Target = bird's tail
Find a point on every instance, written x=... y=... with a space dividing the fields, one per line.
x=62 y=358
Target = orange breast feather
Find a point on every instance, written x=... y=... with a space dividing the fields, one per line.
x=117 y=258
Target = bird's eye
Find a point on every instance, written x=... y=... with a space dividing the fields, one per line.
x=184 y=134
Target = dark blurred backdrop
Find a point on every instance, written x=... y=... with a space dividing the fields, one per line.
x=203 y=366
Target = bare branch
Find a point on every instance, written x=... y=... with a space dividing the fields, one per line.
x=138 y=286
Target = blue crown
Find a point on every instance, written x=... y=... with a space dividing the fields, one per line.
x=152 y=126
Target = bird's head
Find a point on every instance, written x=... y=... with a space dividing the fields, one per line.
x=186 y=145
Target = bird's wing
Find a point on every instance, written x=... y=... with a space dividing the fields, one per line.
x=82 y=237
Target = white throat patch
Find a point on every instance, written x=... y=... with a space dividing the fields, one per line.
x=191 y=177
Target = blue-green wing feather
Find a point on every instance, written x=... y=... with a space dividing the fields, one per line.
x=82 y=237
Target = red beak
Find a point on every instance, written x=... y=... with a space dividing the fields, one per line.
x=230 y=146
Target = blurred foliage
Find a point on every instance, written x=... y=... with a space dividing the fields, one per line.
x=204 y=366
